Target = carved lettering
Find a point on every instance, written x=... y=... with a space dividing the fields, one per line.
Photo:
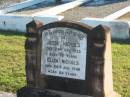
x=64 y=53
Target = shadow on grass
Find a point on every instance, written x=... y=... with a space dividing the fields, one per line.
x=95 y=3
x=11 y=33
x=123 y=41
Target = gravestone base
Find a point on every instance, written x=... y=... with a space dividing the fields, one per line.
x=65 y=94
x=35 y=92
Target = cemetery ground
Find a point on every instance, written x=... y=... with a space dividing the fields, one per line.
x=90 y=11
x=12 y=63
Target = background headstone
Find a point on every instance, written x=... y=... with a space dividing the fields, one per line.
x=119 y=29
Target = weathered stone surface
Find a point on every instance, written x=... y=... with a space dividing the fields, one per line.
x=47 y=81
x=95 y=57
x=64 y=52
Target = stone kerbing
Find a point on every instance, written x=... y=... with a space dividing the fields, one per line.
x=118 y=14
x=18 y=23
x=21 y=5
x=61 y=8
x=5 y=19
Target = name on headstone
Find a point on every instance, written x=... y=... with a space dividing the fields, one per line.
x=64 y=53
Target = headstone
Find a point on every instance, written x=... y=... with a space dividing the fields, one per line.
x=65 y=59
x=119 y=29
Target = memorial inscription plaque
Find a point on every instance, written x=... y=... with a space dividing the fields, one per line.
x=64 y=56
x=64 y=52
x=66 y=59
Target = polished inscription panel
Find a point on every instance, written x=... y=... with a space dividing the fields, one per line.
x=64 y=52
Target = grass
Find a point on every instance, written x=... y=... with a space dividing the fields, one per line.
x=12 y=74
x=121 y=67
x=12 y=64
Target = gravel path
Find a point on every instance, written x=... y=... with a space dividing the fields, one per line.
x=90 y=11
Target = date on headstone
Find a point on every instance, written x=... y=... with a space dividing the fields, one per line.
x=64 y=52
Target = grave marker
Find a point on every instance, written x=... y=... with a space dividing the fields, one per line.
x=65 y=59
x=62 y=51
x=119 y=29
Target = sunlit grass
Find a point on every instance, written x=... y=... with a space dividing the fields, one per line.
x=12 y=63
